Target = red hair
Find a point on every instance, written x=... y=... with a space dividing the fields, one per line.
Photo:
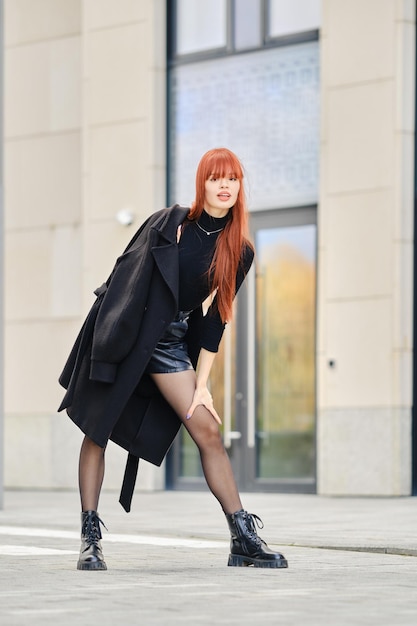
x=220 y=163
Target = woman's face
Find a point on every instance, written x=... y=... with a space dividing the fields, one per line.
x=220 y=195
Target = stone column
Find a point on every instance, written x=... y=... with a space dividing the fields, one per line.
x=365 y=229
x=43 y=236
x=84 y=138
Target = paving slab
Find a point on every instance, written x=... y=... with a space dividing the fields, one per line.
x=167 y=562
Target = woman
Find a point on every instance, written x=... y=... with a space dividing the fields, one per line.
x=131 y=376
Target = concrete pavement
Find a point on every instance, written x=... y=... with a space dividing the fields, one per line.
x=351 y=561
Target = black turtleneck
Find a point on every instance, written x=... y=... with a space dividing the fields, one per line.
x=196 y=250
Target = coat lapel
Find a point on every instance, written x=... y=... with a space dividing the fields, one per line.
x=166 y=253
x=166 y=260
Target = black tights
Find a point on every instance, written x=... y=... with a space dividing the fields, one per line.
x=178 y=389
x=90 y=474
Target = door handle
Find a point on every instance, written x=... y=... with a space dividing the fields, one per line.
x=227 y=408
x=251 y=373
x=229 y=436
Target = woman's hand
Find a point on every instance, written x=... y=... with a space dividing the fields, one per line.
x=203 y=396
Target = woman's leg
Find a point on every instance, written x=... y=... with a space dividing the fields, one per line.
x=246 y=548
x=90 y=474
x=178 y=389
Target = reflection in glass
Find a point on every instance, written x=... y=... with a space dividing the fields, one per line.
x=285 y=303
x=287 y=17
x=247 y=25
x=201 y=25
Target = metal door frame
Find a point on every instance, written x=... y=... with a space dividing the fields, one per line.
x=245 y=384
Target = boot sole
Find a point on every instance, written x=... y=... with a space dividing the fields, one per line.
x=100 y=565
x=236 y=560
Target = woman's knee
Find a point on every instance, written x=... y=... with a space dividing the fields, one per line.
x=208 y=435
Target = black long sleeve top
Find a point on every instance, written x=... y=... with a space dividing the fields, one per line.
x=196 y=249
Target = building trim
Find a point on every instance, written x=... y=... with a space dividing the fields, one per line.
x=1 y=259
x=414 y=407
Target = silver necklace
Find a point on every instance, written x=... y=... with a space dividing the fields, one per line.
x=209 y=232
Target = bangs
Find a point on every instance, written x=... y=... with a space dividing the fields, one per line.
x=222 y=163
x=219 y=163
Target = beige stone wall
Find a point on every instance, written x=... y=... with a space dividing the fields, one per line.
x=366 y=247
x=84 y=138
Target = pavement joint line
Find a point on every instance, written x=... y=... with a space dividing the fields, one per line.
x=11 y=550
x=368 y=549
x=143 y=584
x=178 y=542
x=57 y=611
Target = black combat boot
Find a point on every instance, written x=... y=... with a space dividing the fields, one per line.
x=246 y=548
x=91 y=555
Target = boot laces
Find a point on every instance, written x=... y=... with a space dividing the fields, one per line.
x=252 y=521
x=91 y=529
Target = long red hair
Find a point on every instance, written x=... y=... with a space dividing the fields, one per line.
x=221 y=162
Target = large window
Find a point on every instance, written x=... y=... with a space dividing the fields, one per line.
x=263 y=106
x=201 y=28
x=233 y=83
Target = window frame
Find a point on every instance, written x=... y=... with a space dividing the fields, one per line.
x=266 y=41
x=301 y=36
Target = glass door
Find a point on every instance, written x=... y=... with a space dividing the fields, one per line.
x=285 y=322
x=263 y=380
x=276 y=401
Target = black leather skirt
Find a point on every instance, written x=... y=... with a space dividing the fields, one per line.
x=170 y=354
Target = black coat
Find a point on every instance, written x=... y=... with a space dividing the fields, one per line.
x=108 y=394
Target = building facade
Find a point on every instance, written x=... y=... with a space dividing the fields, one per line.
x=108 y=107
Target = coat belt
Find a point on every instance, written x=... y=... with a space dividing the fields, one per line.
x=129 y=480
